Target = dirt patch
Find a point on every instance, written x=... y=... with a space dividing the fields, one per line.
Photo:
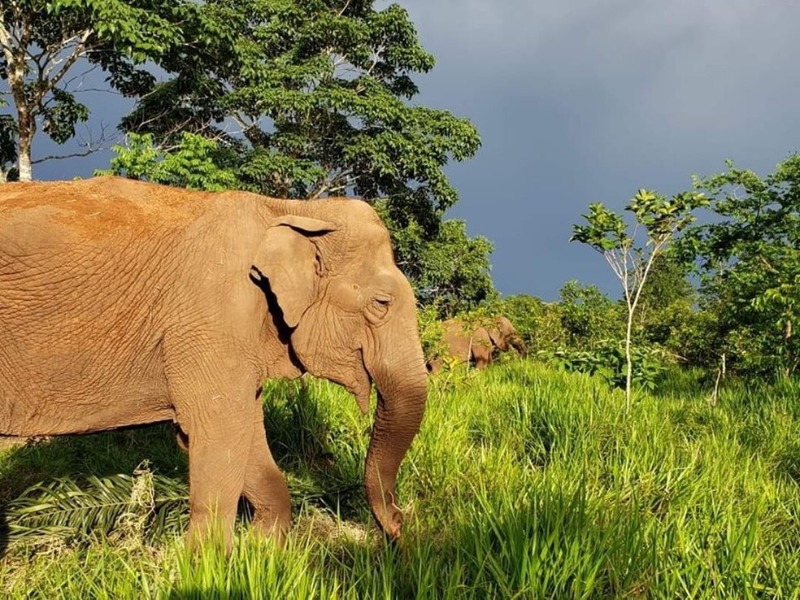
x=101 y=205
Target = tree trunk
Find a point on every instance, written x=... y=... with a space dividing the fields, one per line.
x=628 y=359
x=24 y=159
x=26 y=121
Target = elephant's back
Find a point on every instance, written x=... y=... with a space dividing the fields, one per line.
x=97 y=207
x=72 y=253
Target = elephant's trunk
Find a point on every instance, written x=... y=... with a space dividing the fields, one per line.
x=402 y=393
x=519 y=345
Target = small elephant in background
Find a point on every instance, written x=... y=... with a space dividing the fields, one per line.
x=477 y=343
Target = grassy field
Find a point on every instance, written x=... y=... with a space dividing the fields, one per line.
x=524 y=482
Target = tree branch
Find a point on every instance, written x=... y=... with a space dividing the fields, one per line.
x=344 y=8
x=80 y=154
x=5 y=42
x=90 y=146
x=77 y=53
x=332 y=184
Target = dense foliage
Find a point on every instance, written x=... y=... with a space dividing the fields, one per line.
x=749 y=257
x=44 y=48
x=449 y=270
x=588 y=316
x=310 y=99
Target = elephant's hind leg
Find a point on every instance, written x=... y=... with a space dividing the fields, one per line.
x=264 y=484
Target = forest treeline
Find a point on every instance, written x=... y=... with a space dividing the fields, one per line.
x=716 y=274
x=313 y=99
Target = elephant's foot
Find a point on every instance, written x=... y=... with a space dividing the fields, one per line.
x=265 y=489
x=210 y=527
x=272 y=524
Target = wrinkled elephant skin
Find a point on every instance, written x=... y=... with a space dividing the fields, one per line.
x=124 y=303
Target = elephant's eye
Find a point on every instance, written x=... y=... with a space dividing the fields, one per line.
x=382 y=300
x=378 y=307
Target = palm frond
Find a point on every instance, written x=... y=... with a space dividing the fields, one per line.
x=67 y=509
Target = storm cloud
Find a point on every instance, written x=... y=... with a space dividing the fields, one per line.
x=587 y=101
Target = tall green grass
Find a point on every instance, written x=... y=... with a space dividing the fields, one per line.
x=523 y=483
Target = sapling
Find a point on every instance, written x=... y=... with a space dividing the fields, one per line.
x=658 y=220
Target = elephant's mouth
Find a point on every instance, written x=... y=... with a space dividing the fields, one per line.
x=362 y=389
x=350 y=373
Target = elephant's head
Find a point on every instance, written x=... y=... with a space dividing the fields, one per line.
x=351 y=318
x=504 y=335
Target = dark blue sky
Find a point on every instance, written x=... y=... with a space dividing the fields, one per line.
x=589 y=100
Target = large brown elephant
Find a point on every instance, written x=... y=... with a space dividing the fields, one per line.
x=124 y=303
x=465 y=343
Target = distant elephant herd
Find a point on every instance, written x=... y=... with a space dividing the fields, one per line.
x=126 y=303
x=476 y=343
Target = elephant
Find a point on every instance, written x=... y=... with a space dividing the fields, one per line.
x=125 y=302
x=463 y=343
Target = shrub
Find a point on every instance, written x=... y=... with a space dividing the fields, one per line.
x=607 y=360
x=538 y=323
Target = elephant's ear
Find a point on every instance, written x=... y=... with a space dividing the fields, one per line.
x=497 y=338
x=290 y=259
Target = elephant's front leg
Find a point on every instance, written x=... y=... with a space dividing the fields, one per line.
x=264 y=484
x=482 y=356
x=219 y=428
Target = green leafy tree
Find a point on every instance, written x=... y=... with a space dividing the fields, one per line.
x=313 y=99
x=190 y=165
x=658 y=220
x=750 y=259
x=588 y=316
x=448 y=270
x=43 y=41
